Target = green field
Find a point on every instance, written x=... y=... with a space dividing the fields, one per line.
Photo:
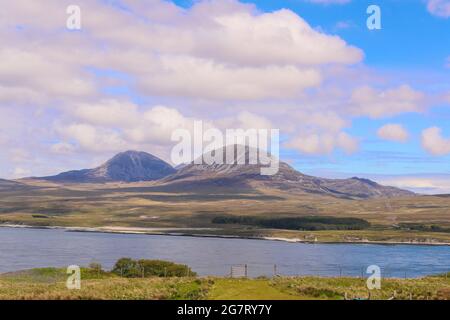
x=49 y=283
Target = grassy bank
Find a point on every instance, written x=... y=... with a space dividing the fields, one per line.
x=49 y=283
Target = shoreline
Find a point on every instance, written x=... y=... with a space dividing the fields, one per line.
x=166 y=232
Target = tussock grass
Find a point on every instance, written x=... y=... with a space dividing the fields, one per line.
x=49 y=284
x=428 y=288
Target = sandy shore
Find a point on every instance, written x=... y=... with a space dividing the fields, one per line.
x=190 y=232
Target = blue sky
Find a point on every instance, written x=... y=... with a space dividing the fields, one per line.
x=412 y=45
x=370 y=103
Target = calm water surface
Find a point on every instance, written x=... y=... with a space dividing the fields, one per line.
x=30 y=248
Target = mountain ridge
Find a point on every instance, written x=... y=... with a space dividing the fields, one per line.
x=287 y=178
x=134 y=166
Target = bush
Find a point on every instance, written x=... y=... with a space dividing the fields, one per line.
x=130 y=268
x=311 y=223
x=423 y=227
x=126 y=267
x=319 y=292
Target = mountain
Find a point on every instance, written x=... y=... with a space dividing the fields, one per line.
x=130 y=166
x=6 y=185
x=235 y=175
x=364 y=188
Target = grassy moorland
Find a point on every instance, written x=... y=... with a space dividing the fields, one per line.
x=49 y=284
x=116 y=207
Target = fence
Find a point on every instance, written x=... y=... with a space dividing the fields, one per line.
x=239 y=271
x=270 y=270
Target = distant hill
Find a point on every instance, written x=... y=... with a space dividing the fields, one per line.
x=133 y=166
x=129 y=166
x=235 y=175
x=11 y=185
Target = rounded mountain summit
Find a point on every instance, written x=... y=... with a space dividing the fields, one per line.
x=134 y=166
x=129 y=166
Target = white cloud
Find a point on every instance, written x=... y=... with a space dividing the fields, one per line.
x=19 y=155
x=107 y=113
x=283 y=37
x=117 y=125
x=20 y=172
x=198 y=78
x=393 y=132
x=440 y=8
x=157 y=125
x=21 y=96
x=323 y=143
x=244 y=120
x=434 y=142
x=223 y=62
x=28 y=75
x=426 y=184
x=63 y=148
x=379 y=104
x=93 y=139
x=248 y=120
x=214 y=50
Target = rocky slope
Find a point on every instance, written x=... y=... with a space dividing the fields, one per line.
x=249 y=175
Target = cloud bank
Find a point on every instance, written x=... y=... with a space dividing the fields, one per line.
x=140 y=69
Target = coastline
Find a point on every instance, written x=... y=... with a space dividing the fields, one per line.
x=173 y=232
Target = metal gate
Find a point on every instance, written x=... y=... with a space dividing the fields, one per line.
x=238 y=271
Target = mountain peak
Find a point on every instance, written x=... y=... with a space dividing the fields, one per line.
x=363 y=180
x=128 y=166
x=248 y=175
x=132 y=153
x=131 y=166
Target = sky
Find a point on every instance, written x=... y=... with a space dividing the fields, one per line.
x=349 y=101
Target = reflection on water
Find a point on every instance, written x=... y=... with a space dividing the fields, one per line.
x=30 y=248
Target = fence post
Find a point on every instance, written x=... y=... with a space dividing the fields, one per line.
x=274 y=270
x=340 y=272
x=246 y=270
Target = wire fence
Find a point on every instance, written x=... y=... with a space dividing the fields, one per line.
x=252 y=270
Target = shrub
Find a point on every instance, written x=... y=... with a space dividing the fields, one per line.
x=311 y=223
x=318 y=292
x=130 y=268
x=126 y=267
x=423 y=227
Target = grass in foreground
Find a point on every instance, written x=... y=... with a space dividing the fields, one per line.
x=49 y=284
